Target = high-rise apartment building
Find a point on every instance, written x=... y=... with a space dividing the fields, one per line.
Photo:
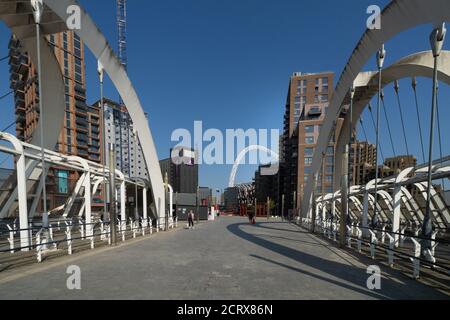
x=306 y=107
x=119 y=131
x=80 y=133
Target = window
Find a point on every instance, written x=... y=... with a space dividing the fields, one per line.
x=330 y=150
x=323 y=98
x=309 y=129
x=309 y=152
x=309 y=140
x=63 y=179
x=308 y=160
x=330 y=160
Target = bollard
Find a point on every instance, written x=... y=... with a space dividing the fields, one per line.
x=11 y=239
x=373 y=242
x=109 y=234
x=383 y=235
x=82 y=230
x=334 y=231
x=390 y=251
x=144 y=225
x=402 y=236
x=416 y=261
x=102 y=231
x=349 y=236
x=38 y=247
x=434 y=244
x=69 y=239
x=359 y=236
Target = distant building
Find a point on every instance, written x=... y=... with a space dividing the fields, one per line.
x=363 y=160
x=395 y=165
x=239 y=198
x=205 y=196
x=183 y=175
x=119 y=131
x=266 y=186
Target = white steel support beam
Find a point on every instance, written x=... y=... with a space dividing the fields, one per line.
x=88 y=205
x=144 y=205
x=123 y=217
x=21 y=189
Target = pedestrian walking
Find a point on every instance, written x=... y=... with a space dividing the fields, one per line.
x=191 y=219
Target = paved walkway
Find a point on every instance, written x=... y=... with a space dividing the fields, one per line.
x=226 y=259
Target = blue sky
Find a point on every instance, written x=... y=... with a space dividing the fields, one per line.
x=228 y=63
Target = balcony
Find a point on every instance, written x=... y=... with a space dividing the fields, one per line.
x=95 y=143
x=80 y=90
x=13 y=43
x=82 y=119
x=94 y=157
x=315 y=112
x=82 y=152
x=81 y=126
x=81 y=107
x=80 y=98
x=81 y=143
x=95 y=150
x=20 y=104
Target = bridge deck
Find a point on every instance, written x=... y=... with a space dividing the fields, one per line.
x=227 y=259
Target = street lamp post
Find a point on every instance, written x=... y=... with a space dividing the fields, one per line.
x=198 y=205
x=136 y=211
x=102 y=113
x=166 y=189
x=437 y=38
x=38 y=8
x=112 y=197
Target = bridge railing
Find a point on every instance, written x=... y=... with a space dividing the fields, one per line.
x=62 y=235
x=382 y=243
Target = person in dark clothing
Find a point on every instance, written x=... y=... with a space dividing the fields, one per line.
x=191 y=219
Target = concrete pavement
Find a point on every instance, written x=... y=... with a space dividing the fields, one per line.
x=226 y=259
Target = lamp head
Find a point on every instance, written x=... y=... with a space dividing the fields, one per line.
x=38 y=9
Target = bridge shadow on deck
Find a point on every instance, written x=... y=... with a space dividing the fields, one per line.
x=352 y=277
